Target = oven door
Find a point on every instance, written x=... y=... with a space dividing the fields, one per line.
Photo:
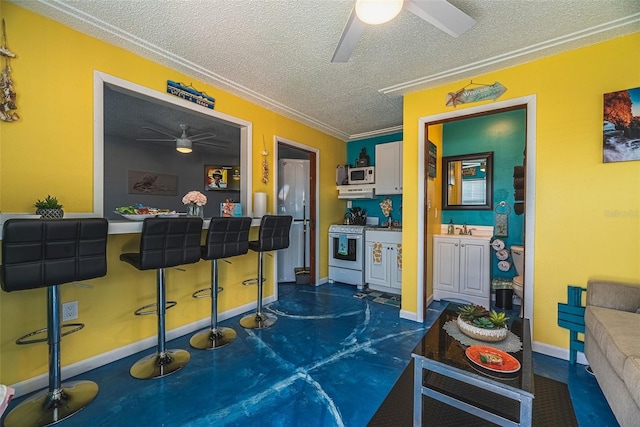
x=349 y=253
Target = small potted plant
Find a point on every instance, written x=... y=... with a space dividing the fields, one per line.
x=477 y=322
x=49 y=208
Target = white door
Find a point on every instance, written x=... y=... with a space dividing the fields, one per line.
x=293 y=194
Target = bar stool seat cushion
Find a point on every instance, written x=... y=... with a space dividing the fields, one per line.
x=39 y=253
x=226 y=237
x=167 y=242
x=273 y=235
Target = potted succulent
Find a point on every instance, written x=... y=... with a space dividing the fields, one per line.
x=477 y=322
x=49 y=208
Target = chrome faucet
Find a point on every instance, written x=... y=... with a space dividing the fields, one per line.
x=464 y=231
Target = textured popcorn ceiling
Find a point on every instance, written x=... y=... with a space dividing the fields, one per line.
x=277 y=53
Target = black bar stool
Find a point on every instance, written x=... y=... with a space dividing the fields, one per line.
x=273 y=235
x=38 y=253
x=226 y=237
x=164 y=242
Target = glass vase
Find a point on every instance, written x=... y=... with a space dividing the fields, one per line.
x=195 y=210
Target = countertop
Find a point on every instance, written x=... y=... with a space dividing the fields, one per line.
x=123 y=226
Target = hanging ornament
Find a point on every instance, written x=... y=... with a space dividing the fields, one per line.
x=7 y=94
x=265 y=164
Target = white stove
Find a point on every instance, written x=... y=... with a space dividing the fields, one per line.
x=346 y=254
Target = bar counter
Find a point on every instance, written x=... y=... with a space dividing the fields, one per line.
x=123 y=226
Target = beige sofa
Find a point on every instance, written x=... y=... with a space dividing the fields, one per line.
x=612 y=345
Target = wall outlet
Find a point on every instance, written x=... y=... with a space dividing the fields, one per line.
x=69 y=311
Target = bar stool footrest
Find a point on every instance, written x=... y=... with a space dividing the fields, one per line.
x=141 y=312
x=205 y=292
x=23 y=339
x=253 y=281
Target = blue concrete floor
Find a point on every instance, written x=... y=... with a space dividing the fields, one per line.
x=330 y=360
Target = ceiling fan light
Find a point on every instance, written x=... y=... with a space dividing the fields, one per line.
x=183 y=145
x=376 y=12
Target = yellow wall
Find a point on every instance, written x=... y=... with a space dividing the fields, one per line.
x=587 y=217
x=50 y=151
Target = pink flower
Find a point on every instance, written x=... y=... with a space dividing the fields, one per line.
x=195 y=197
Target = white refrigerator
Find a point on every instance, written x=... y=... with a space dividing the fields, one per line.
x=292 y=199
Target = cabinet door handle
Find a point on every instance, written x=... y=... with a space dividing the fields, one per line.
x=456 y=245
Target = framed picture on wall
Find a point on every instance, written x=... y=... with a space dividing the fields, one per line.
x=621 y=126
x=221 y=178
x=433 y=155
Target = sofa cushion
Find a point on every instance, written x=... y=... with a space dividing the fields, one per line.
x=631 y=377
x=616 y=333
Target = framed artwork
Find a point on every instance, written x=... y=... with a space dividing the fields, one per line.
x=433 y=155
x=221 y=178
x=152 y=183
x=621 y=126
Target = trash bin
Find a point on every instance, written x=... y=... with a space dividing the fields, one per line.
x=504 y=298
x=503 y=289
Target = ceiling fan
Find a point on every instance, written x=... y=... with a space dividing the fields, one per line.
x=184 y=144
x=439 y=13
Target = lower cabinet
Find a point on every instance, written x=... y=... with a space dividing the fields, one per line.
x=461 y=269
x=383 y=261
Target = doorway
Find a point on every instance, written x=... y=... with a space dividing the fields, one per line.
x=296 y=190
x=428 y=214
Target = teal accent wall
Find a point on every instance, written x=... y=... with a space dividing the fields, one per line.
x=504 y=134
x=372 y=206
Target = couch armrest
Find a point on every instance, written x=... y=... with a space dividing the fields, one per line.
x=615 y=295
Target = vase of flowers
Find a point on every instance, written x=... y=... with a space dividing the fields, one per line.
x=477 y=322
x=195 y=202
x=49 y=208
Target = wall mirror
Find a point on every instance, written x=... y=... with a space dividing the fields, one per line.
x=467 y=182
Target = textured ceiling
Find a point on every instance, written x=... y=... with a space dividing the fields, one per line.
x=277 y=53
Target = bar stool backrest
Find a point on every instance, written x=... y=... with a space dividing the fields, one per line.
x=227 y=237
x=169 y=242
x=273 y=234
x=38 y=253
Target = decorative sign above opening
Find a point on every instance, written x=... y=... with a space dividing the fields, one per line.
x=190 y=93
x=481 y=93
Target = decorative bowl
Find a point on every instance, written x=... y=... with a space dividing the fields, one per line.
x=136 y=217
x=482 y=334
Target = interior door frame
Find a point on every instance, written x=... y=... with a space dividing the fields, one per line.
x=314 y=190
x=530 y=195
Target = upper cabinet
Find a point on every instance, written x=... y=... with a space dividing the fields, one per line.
x=389 y=168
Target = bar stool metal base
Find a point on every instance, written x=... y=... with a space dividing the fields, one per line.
x=46 y=407
x=258 y=321
x=160 y=365
x=210 y=339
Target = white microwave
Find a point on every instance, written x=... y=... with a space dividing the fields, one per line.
x=364 y=175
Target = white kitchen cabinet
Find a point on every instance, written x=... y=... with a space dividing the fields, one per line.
x=383 y=260
x=461 y=269
x=389 y=168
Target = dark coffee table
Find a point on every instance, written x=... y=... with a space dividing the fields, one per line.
x=443 y=372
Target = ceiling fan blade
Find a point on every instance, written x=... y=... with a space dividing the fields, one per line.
x=201 y=136
x=349 y=39
x=210 y=144
x=442 y=15
x=173 y=137
x=155 y=140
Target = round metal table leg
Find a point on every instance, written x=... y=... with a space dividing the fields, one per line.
x=50 y=407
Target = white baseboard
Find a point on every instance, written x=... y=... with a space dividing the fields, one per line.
x=409 y=315
x=558 y=352
x=42 y=381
